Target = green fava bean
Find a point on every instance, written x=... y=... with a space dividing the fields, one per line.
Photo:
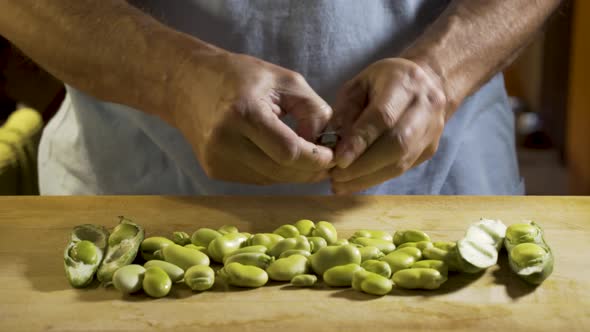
x=445 y=245
x=407 y=244
x=304 y=226
x=292 y=252
x=420 y=245
x=526 y=254
x=340 y=276
x=194 y=247
x=331 y=256
x=258 y=248
x=325 y=230
x=435 y=253
x=268 y=240
x=438 y=265
x=304 y=280
x=373 y=234
x=203 y=236
x=384 y=246
x=199 y=277
x=402 y=258
x=449 y=257
x=340 y=242
x=529 y=256
x=225 y=245
x=379 y=267
x=84 y=253
x=152 y=244
x=370 y=252
x=371 y=283
x=299 y=242
x=316 y=243
x=123 y=251
x=156 y=282
x=282 y=246
x=236 y=274
x=418 y=278
x=424 y=244
x=250 y=258
x=287 y=231
x=181 y=238
x=129 y=278
x=284 y=269
x=184 y=257
x=227 y=229
x=522 y=233
x=174 y=272
x=410 y=235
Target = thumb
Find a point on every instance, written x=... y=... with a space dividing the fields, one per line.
x=309 y=110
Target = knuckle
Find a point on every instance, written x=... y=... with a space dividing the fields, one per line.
x=295 y=78
x=325 y=112
x=436 y=97
x=402 y=138
x=416 y=73
x=360 y=138
x=386 y=115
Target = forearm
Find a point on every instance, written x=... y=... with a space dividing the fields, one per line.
x=106 y=48
x=475 y=39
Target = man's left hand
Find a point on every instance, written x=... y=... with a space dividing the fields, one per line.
x=391 y=117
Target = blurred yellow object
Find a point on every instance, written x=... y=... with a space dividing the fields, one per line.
x=19 y=140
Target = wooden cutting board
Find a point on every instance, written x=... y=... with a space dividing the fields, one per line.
x=35 y=296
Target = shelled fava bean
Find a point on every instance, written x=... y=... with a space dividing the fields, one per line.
x=370 y=261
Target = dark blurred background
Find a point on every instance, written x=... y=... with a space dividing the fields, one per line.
x=548 y=84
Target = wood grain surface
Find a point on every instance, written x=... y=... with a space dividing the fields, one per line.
x=35 y=295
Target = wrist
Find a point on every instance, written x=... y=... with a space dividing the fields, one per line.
x=189 y=66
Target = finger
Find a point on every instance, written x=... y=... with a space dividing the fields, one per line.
x=310 y=111
x=350 y=102
x=367 y=181
x=262 y=164
x=382 y=113
x=400 y=147
x=375 y=178
x=425 y=156
x=266 y=130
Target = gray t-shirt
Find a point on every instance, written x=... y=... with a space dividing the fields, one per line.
x=95 y=147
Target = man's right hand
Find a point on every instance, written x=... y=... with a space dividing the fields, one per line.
x=229 y=108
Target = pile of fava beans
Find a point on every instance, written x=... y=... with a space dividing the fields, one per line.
x=370 y=261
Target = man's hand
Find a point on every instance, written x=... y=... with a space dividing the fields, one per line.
x=391 y=117
x=229 y=109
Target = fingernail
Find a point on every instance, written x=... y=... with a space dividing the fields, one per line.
x=345 y=159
